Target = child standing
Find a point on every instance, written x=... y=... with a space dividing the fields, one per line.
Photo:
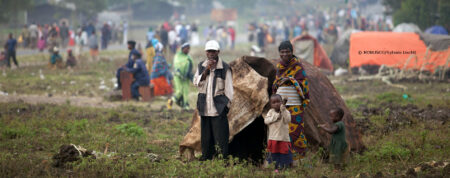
x=279 y=143
x=338 y=146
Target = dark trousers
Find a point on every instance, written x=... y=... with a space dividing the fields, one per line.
x=135 y=90
x=13 y=55
x=214 y=136
x=119 y=85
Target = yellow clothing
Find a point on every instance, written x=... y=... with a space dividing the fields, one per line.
x=149 y=55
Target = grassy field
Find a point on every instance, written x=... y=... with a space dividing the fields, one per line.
x=401 y=129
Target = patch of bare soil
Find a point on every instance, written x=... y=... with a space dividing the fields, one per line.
x=81 y=101
x=398 y=116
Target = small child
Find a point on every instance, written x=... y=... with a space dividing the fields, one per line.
x=279 y=143
x=338 y=146
x=71 y=61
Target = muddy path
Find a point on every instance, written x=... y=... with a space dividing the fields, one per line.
x=81 y=101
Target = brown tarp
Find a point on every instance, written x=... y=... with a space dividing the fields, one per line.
x=252 y=78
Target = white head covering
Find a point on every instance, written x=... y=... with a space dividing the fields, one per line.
x=159 y=47
x=212 y=45
x=185 y=45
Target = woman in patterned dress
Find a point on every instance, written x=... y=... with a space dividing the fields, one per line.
x=292 y=84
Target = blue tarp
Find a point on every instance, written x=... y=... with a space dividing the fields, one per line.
x=439 y=30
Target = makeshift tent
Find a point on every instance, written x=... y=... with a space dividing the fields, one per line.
x=401 y=50
x=339 y=55
x=436 y=42
x=407 y=27
x=252 y=80
x=438 y=30
x=308 y=48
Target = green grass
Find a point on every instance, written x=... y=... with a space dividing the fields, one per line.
x=31 y=134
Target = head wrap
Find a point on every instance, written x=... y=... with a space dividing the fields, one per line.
x=154 y=42
x=159 y=47
x=285 y=45
x=185 y=45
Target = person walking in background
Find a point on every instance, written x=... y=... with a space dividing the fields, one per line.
x=160 y=76
x=172 y=40
x=163 y=34
x=79 y=42
x=34 y=34
x=93 y=46
x=150 y=54
x=232 y=33
x=25 y=36
x=41 y=44
x=11 y=46
x=195 y=39
x=106 y=36
x=183 y=65
x=183 y=34
x=64 y=34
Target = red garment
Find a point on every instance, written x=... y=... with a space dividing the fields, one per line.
x=274 y=146
x=232 y=33
x=161 y=87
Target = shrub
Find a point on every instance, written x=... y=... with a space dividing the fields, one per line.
x=130 y=129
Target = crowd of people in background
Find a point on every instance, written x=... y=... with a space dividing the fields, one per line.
x=62 y=36
x=44 y=36
x=325 y=26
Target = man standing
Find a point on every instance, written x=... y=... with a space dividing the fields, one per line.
x=182 y=64
x=106 y=35
x=93 y=46
x=129 y=64
x=232 y=33
x=25 y=36
x=214 y=81
x=64 y=34
x=34 y=33
x=11 y=46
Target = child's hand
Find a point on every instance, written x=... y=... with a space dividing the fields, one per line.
x=321 y=125
x=285 y=101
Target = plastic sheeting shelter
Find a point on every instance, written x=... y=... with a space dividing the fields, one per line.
x=308 y=48
x=407 y=27
x=437 y=30
x=401 y=50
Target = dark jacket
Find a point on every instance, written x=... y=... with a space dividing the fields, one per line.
x=220 y=99
x=140 y=72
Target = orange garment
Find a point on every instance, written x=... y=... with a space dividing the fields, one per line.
x=393 y=49
x=161 y=87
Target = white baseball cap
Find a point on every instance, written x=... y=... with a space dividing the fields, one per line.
x=212 y=45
